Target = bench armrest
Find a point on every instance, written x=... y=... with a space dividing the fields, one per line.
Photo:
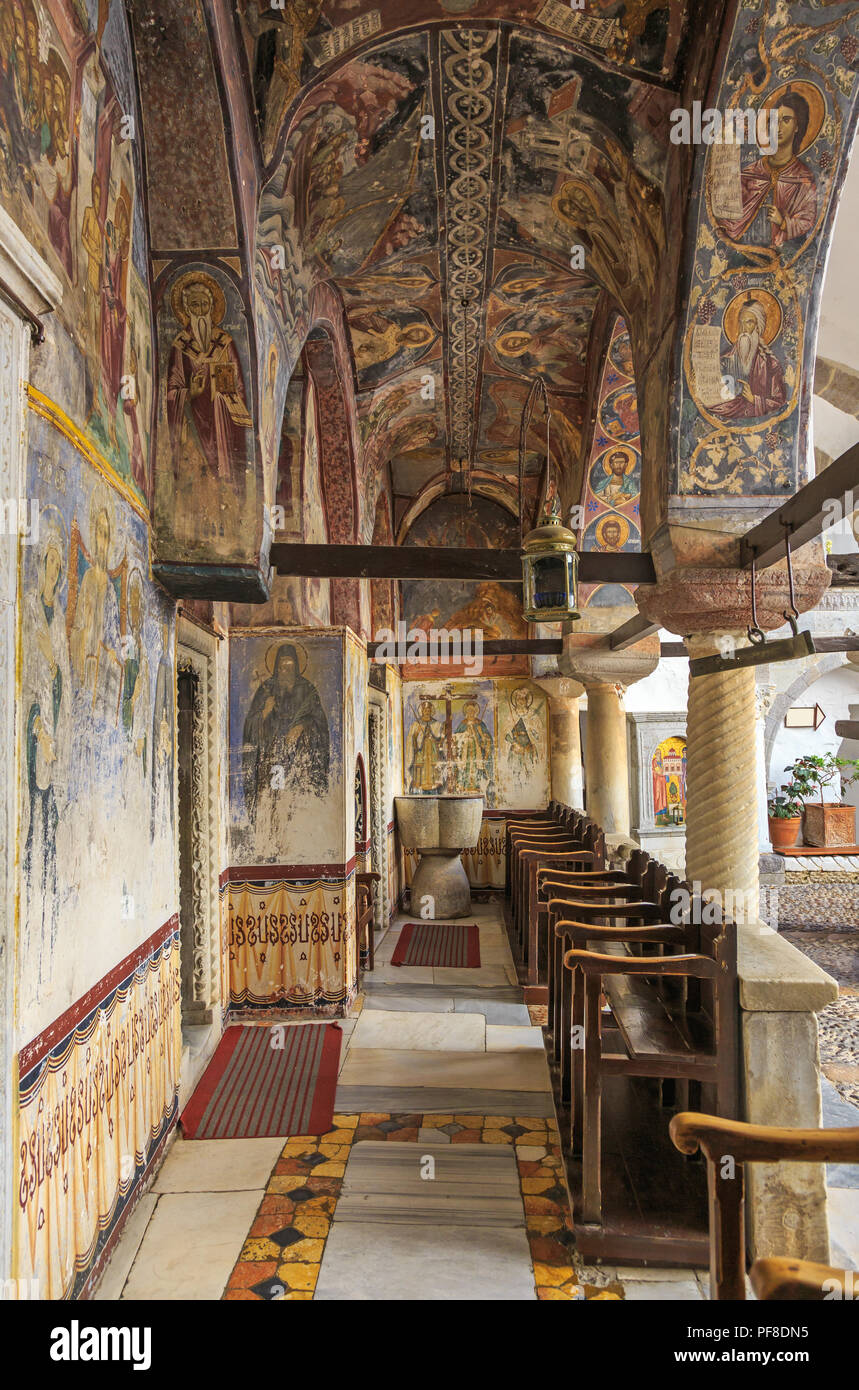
x=762 y=1143
x=583 y=931
x=697 y=967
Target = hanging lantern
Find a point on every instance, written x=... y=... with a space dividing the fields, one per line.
x=550 y=573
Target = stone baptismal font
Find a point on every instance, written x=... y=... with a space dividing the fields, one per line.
x=439 y=828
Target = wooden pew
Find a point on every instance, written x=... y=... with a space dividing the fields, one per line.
x=690 y=1035
x=775 y=1279
x=364 y=905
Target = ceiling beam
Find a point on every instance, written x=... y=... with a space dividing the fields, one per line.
x=496 y=646
x=821 y=644
x=629 y=633
x=445 y=562
x=805 y=515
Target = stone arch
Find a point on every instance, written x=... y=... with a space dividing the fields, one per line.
x=818 y=666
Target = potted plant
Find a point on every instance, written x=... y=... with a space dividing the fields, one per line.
x=785 y=818
x=826 y=824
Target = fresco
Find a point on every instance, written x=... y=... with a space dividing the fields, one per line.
x=487 y=606
x=757 y=228
x=613 y=478
x=486 y=736
x=668 y=775
x=70 y=177
x=287 y=45
x=97 y=729
x=286 y=694
x=317 y=592
x=206 y=475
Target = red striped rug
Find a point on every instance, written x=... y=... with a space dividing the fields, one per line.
x=252 y=1090
x=438 y=943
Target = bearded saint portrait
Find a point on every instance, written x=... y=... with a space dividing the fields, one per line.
x=755 y=371
x=207 y=412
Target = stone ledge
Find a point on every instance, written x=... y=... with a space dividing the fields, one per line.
x=777 y=978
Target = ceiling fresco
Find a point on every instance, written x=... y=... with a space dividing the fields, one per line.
x=289 y=48
x=460 y=190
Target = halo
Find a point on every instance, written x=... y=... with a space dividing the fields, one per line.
x=622 y=523
x=631 y=458
x=731 y=319
x=271 y=655
x=197 y=277
x=272 y=358
x=100 y=502
x=525 y=693
x=514 y=333
x=816 y=107
x=53 y=535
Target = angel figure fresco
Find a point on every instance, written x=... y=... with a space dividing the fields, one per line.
x=135 y=688
x=94 y=631
x=46 y=696
x=424 y=758
x=473 y=744
x=162 y=738
x=779 y=190
x=286 y=737
x=207 y=412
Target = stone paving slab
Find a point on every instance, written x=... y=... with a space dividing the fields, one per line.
x=472 y=1184
x=435 y=1263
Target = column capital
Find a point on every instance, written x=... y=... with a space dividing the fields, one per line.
x=560 y=687
x=596 y=665
x=712 y=599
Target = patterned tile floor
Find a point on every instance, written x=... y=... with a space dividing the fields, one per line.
x=282 y=1255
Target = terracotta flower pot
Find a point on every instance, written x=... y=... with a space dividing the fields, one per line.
x=784 y=831
x=829 y=826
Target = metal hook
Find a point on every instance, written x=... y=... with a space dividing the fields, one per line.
x=793 y=614
x=755 y=634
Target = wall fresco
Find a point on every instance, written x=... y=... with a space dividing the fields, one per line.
x=97 y=709
x=760 y=225
x=486 y=736
x=70 y=177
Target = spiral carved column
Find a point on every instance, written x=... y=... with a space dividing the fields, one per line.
x=721 y=778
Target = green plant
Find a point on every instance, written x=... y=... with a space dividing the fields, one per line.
x=784 y=807
x=812 y=775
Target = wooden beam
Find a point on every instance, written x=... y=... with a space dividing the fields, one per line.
x=821 y=644
x=805 y=515
x=444 y=562
x=496 y=646
x=630 y=633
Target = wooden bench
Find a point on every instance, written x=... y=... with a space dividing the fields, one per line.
x=775 y=1278
x=686 y=1033
x=364 y=906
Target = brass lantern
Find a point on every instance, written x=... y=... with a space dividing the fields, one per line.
x=550 y=573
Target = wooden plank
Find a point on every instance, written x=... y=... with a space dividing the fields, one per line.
x=494 y=646
x=669 y=650
x=630 y=633
x=444 y=562
x=805 y=515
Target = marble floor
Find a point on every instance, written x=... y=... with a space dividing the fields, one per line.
x=442 y=1178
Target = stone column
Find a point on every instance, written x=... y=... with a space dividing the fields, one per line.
x=780 y=989
x=764 y=696
x=606 y=759
x=565 y=744
x=721 y=777
x=605 y=675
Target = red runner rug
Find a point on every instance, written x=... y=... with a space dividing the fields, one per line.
x=438 y=943
x=252 y=1090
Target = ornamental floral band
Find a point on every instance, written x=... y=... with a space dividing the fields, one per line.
x=92 y=1113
